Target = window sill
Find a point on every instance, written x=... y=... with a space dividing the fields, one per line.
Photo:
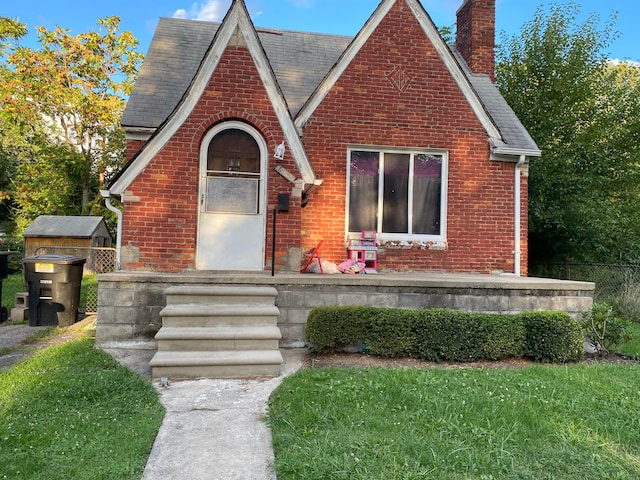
x=412 y=245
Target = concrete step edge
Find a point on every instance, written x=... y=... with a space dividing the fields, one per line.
x=219 y=333
x=200 y=310
x=243 y=357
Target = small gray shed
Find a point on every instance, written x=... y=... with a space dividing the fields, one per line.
x=66 y=235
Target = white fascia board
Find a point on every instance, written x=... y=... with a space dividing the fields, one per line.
x=277 y=100
x=184 y=109
x=500 y=150
x=142 y=134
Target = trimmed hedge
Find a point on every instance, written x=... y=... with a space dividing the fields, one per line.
x=446 y=335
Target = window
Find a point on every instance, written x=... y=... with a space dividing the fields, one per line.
x=399 y=194
x=233 y=173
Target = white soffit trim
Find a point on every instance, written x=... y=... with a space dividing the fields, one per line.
x=432 y=33
x=237 y=19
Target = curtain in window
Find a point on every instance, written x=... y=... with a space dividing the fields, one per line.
x=363 y=191
x=427 y=176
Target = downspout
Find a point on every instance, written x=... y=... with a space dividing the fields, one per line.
x=517 y=251
x=107 y=200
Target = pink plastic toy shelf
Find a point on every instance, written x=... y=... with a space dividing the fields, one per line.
x=364 y=250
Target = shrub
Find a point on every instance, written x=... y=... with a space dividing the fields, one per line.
x=334 y=327
x=446 y=335
x=503 y=336
x=605 y=330
x=390 y=332
x=552 y=337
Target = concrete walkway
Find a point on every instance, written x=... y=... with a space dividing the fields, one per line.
x=212 y=429
x=215 y=429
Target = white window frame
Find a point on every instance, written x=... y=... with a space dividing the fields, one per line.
x=402 y=237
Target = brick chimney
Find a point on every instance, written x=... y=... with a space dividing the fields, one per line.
x=476 y=35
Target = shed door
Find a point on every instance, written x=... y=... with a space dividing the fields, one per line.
x=231 y=230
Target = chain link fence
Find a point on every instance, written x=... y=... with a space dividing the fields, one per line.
x=618 y=285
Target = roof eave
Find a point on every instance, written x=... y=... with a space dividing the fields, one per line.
x=502 y=152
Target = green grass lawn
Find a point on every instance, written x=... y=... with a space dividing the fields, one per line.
x=73 y=412
x=540 y=422
x=15 y=283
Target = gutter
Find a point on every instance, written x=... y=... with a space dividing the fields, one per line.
x=500 y=149
x=517 y=251
x=106 y=194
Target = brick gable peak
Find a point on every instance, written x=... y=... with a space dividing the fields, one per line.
x=444 y=52
x=236 y=29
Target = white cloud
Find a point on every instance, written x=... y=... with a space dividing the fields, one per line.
x=211 y=11
x=616 y=61
x=180 y=13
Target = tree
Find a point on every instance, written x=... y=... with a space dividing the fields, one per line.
x=584 y=202
x=73 y=89
x=13 y=144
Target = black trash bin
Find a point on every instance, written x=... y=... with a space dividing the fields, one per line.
x=54 y=288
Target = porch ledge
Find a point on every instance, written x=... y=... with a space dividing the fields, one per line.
x=408 y=279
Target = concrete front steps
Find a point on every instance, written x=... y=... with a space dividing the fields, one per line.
x=218 y=332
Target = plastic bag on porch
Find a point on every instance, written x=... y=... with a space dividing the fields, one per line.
x=327 y=267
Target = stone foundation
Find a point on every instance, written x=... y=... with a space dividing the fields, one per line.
x=129 y=304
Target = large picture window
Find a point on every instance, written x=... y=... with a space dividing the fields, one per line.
x=398 y=194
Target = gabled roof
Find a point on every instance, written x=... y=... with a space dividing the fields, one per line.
x=515 y=138
x=300 y=60
x=61 y=226
x=306 y=66
x=236 y=26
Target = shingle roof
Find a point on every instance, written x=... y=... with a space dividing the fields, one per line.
x=513 y=132
x=299 y=60
x=60 y=226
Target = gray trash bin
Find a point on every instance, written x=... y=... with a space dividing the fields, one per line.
x=54 y=288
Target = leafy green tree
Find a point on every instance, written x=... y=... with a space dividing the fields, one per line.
x=13 y=142
x=71 y=91
x=584 y=201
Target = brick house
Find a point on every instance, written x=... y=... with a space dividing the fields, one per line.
x=392 y=131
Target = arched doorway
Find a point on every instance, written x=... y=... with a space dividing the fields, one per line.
x=231 y=224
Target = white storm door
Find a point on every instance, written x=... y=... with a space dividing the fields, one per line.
x=231 y=230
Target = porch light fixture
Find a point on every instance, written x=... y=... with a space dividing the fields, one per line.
x=279 y=154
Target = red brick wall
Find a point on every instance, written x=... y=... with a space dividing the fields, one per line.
x=364 y=108
x=475 y=35
x=133 y=146
x=161 y=221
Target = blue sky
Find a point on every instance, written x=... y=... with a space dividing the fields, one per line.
x=326 y=16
